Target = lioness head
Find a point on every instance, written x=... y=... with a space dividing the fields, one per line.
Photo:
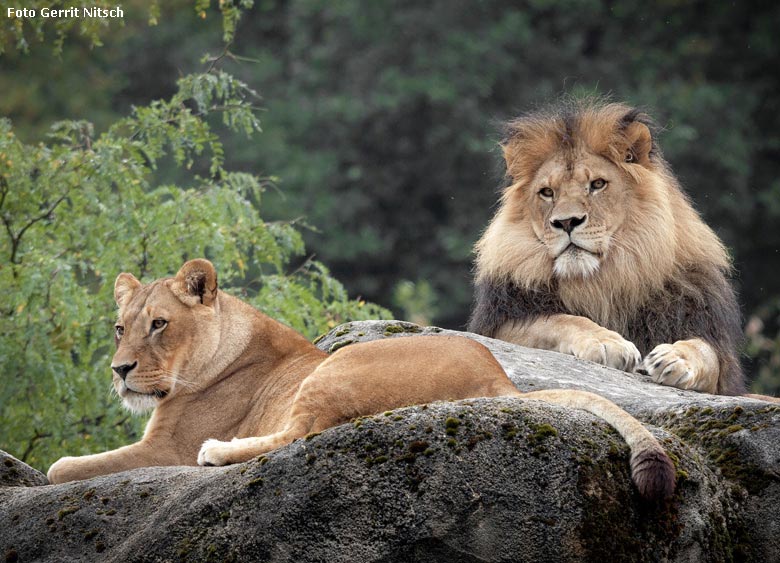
x=589 y=200
x=166 y=332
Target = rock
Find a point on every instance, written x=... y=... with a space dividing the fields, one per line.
x=14 y=473
x=477 y=480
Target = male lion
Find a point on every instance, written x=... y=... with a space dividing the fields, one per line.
x=596 y=251
x=214 y=367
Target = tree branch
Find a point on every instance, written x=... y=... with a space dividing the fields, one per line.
x=31 y=444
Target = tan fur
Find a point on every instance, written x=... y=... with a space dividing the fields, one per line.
x=220 y=369
x=578 y=336
x=640 y=233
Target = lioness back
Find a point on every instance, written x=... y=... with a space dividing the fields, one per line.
x=398 y=371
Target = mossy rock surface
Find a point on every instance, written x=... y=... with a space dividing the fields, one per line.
x=14 y=473
x=499 y=479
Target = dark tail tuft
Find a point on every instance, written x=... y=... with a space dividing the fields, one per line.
x=654 y=474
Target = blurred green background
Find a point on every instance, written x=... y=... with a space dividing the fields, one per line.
x=380 y=121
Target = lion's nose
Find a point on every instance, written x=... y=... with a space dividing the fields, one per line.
x=568 y=224
x=124 y=369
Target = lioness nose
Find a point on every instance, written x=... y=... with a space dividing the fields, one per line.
x=124 y=369
x=568 y=224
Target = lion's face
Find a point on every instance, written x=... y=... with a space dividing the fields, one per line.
x=576 y=204
x=589 y=206
x=165 y=334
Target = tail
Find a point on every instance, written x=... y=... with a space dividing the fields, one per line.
x=651 y=469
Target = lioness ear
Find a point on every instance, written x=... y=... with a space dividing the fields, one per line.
x=639 y=143
x=124 y=286
x=196 y=282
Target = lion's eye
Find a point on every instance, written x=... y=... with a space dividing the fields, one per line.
x=157 y=324
x=119 y=330
x=598 y=184
x=546 y=193
x=630 y=156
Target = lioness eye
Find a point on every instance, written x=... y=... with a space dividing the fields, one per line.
x=546 y=192
x=119 y=330
x=157 y=324
x=629 y=156
x=598 y=184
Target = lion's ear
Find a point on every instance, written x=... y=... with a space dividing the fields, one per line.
x=124 y=286
x=196 y=282
x=639 y=143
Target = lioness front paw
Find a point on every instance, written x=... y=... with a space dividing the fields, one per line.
x=214 y=452
x=607 y=348
x=680 y=365
x=62 y=471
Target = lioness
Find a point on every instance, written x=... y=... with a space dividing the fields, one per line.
x=214 y=367
x=596 y=251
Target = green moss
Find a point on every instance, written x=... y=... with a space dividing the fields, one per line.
x=509 y=429
x=584 y=460
x=110 y=512
x=89 y=536
x=711 y=429
x=541 y=432
x=452 y=423
x=452 y=442
x=340 y=344
x=319 y=338
x=256 y=482
x=402 y=328
x=342 y=332
x=67 y=510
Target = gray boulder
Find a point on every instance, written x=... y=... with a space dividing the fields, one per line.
x=477 y=480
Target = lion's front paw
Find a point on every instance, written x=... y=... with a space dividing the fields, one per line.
x=214 y=452
x=607 y=348
x=679 y=365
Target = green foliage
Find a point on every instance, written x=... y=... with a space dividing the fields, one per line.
x=19 y=32
x=78 y=210
x=416 y=300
